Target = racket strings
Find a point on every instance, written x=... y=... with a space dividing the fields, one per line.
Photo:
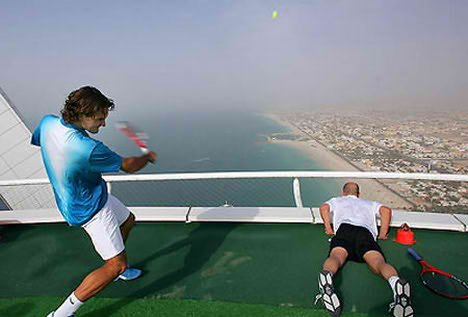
x=445 y=285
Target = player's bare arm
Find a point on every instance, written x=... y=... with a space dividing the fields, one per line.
x=135 y=163
x=385 y=218
x=325 y=214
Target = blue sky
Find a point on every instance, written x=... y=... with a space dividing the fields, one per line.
x=226 y=54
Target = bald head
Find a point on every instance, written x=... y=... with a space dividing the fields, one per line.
x=351 y=188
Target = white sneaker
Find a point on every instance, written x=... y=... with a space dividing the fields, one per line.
x=327 y=293
x=401 y=306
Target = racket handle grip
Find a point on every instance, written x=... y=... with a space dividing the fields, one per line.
x=414 y=254
x=145 y=150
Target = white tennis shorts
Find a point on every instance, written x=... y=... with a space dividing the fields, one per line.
x=104 y=228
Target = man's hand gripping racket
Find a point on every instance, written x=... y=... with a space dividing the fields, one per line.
x=440 y=282
x=138 y=137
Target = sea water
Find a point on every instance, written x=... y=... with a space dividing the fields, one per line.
x=216 y=142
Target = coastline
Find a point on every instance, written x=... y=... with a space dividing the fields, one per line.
x=370 y=188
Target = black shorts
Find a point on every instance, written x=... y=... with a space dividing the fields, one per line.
x=356 y=240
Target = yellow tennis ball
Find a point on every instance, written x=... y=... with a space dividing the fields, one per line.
x=275 y=14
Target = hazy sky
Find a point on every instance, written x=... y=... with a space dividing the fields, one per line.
x=221 y=54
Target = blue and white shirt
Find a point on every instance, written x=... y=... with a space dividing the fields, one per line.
x=74 y=162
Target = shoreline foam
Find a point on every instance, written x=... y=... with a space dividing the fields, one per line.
x=370 y=188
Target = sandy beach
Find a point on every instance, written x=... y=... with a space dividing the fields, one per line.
x=370 y=189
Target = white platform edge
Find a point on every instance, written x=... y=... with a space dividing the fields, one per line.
x=160 y=213
x=52 y=215
x=30 y=216
x=425 y=220
x=251 y=214
x=463 y=219
x=420 y=220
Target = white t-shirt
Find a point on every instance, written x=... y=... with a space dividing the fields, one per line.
x=355 y=211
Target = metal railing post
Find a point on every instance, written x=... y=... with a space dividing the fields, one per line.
x=297 y=193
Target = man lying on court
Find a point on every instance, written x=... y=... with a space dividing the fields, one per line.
x=355 y=225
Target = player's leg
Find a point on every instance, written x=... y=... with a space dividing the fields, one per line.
x=401 y=305
x=126 y=220
x=123 y=216
x=92 y=284
x=97 y=280
x=127 y=226
x=335 y=260
x=327 y=294
x=377 y=264
x=105 y=231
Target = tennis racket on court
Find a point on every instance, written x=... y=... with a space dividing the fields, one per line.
x=140 y=138
x=440 y=282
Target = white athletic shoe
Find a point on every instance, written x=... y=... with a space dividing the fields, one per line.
x=401 y=306
x=327 y=293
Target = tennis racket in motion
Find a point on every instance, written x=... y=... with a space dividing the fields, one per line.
x=140 y=138
x=440 y=282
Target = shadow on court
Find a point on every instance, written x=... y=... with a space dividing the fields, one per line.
x=202 y=260
x=204 y=241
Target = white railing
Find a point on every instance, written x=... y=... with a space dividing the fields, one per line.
x=457 y=221
x=266 y=174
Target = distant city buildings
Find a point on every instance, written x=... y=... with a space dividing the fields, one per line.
x=422 y=143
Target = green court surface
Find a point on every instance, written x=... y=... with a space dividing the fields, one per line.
x=272 y=264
